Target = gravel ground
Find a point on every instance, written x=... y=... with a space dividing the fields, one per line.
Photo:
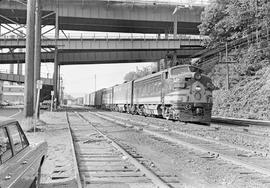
x=194 y=169
x=247 y=140
x=58 y=165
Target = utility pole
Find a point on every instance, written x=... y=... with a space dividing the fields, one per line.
x=227 y=65
x=37 y=53
x=95 y=82
x=29 y=60
x=55 y=78
x=175 y=27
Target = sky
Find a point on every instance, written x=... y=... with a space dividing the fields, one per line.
x=80 y=79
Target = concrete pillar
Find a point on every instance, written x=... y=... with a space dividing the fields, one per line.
x=19 y=69
x=55 y=77
x=175 y=27
x=174 y=59
x=166 y=34
x=58 y=84
x=29 y=60
x=158 y=66
x=11 y=68
x=37 y=48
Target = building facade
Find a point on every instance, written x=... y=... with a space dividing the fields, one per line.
x=13 y=94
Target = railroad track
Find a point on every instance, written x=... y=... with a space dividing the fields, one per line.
x=104 y=162
x=249 y=160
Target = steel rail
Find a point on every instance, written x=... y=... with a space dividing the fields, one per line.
x=77 y=173
x=203 y=149
x=153 y=177
x=239 y=121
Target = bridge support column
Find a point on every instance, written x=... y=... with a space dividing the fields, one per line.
x=19 y=69
x=11 y=68
x=55 y=77
x=166 y=34
x=37 y=51
x=29 y=60
x=158 y=65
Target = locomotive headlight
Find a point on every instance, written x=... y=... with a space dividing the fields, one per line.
x=197 y=76
x=198 y=88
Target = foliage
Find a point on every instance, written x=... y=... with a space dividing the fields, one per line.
x=139 y=73
x=249 y=98
x=227 y=20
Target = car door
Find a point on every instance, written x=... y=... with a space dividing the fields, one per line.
x=7 y=167
x=23 y=157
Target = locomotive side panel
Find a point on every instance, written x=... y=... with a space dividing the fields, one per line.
x=148 y=90
x=122 y=96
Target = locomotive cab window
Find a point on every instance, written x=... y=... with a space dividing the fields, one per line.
x=179 y=70
x=195 y=69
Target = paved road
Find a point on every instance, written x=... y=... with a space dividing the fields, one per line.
x=15 y=113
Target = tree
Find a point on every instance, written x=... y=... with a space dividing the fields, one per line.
x=227 y=20
x=139 y=73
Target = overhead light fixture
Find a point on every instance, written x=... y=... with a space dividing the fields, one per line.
x=181 y=6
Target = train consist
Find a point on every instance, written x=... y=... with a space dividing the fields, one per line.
x=181 y=93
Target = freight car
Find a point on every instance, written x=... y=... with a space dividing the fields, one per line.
x=123 y=97
x=107 y=98
x=181 y=93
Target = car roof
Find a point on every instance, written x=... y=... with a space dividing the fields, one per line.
x=6 y=120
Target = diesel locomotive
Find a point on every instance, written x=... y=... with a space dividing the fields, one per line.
x=181 y=93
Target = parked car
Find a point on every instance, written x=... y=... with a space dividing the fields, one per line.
x=20 y=161
x=45 y=105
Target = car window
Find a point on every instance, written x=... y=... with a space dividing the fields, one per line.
x=18 y=138
x=5 y=148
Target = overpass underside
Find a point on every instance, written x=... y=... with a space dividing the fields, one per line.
x=20 y=79
x=76 y=57
x=91 y=15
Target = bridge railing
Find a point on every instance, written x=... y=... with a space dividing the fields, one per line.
x=109 y=36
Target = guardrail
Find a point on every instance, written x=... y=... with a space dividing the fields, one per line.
x=239 y=122
x=108 y=36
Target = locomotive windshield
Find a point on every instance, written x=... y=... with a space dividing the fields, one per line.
x=185 y=69
x=195 y=69
x=180 y=70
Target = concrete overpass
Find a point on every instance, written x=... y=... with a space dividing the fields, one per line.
x=75 y=57
x=106 y=50
x=108 y=44
x=20 y=78
x=109 y=16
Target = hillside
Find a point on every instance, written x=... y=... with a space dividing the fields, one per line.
x=249 y=98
